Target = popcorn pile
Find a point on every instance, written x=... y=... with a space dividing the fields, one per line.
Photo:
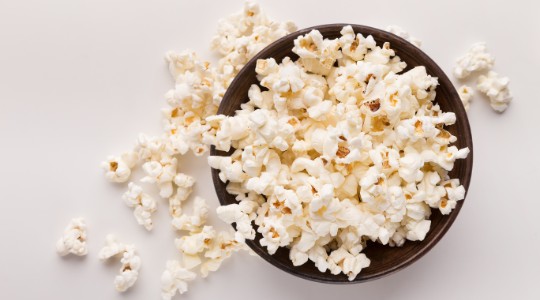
x=189 y=123
x=335 y=149
x=494 y=86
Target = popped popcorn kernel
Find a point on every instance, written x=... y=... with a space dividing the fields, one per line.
x=476 y=59
x=130 y=260
x=73 y=241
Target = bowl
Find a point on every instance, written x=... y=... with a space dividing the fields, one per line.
x=385 y=260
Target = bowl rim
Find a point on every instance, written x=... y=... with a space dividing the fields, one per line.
x=461 y=116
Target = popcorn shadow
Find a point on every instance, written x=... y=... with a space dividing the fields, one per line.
x=73 y=258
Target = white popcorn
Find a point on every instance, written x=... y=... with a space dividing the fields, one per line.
x=162 y=173
x=74 y=239
x=143 y=205
x=235 y=213
x=355 y=46
x=465 y=94
x=194 y=222
x=195 y=243
x=476 y=59
x=175 y=279
x=129 y=271
x=496 y=88
x=404 y=34
x=317 y=55
x=342 y=154
x=112 y=248
x=131 y=262
x=220 y=248
x=118 y=169
x=418 y=230
x=184 y=186
x=244 y=34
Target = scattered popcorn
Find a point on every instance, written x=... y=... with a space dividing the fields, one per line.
x=112 y=248
x=465 y=94
x=143 y=205
x=129 y=271
x=174 y=279
x=244 y=34
x=219 y=249
x=344 y=146
x=404 y=34
x=496 y=88
x=161 y=173
x=476 y=59
x=194 y=222
x=74 y=239
x=131 y=262
x=118 y=169
x=184 y=186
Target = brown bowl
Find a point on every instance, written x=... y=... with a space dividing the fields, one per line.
x=385 y=260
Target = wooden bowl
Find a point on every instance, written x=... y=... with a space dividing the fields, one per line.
x=385 y=260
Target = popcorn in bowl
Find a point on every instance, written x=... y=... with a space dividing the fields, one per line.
x=334 y=149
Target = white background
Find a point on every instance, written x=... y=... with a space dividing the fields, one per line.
x=80 y=79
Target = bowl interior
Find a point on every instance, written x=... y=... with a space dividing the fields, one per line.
x=384 y=259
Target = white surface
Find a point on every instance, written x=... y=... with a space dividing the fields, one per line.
x=80 y=79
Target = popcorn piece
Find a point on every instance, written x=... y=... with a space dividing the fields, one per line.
x=476 y=59
x=244 y=34
x=194 y=222
x=234 y=213
x=221 y=248
x=143 y=205
x=129 y=272
x=74 y=239
x=112 y=248
x=496 y=88
x=465 y=94
x=184 y=184
x=175 y=279
x=404 y=34
x=195 y=243
x=131 y=262
x=317 y=55
x=118 y=169
x=162 y=173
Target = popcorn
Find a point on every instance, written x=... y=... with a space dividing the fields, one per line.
x=129 y=271
x=118 y=169
x=112 y=248
x=465 y=94
x=131 y=262
x=404 y=34
x=220 y=248
x=496 y=88
x=175 y=279
x=235 y=213
x=184 y=186
x=162 y=173
x=244 y=34
x=195 y=243
x=74 y=239
x=342 y=147
x=143 y=205
x=194 y=222
x=476 y=59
